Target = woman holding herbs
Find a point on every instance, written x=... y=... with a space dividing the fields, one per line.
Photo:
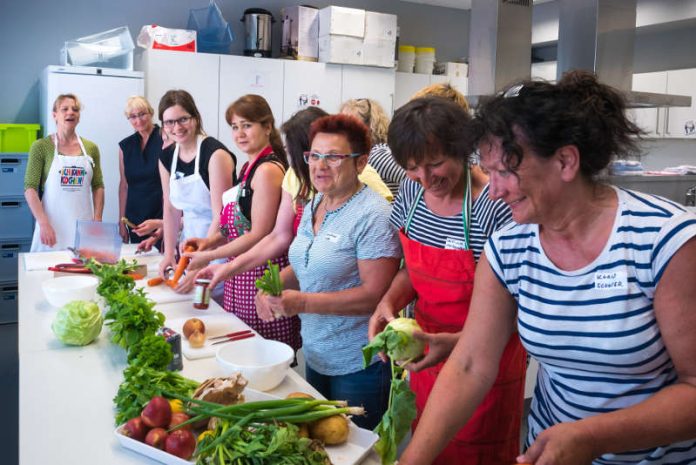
x=341 y=263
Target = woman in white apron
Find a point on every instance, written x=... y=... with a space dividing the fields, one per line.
x=66 y=169
x=194 y=175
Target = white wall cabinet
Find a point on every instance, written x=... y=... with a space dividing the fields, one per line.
x=672 y=122
x=369 y=82
x=408 y=84
x=307 y=83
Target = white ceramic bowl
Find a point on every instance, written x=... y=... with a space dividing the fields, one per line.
x=60 y=291
x=263 y=362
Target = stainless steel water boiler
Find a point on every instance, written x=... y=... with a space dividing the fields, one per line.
x=257 y=35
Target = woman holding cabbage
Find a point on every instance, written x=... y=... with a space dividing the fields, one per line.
x=443 y=223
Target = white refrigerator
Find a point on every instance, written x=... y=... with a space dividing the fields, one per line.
x=103 y=93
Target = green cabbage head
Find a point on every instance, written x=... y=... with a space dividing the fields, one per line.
x=396 y=341
x=78 y=323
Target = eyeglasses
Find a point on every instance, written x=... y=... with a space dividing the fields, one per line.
x=135 y=116
x=332 y=159
x=182 y=121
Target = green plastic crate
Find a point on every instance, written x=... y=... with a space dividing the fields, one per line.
x=17 y=137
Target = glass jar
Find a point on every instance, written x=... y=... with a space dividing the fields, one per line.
x=201 y=296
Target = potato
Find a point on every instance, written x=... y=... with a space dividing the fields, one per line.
x=191 y=325
x=299 y=395
x=304 y=430
x=331 y=431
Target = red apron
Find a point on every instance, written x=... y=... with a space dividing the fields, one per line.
x=443 y=280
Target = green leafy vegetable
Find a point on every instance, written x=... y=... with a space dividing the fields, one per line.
x=131 y=317
x=112 y=278
x=151 y=351
x=140 y=384
x=398 y=343
x=270 y=281
x=78 y=323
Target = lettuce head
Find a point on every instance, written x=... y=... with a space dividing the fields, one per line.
x=78 y=323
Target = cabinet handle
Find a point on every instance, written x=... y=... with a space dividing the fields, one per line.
x=9 y=204
x=10 y=161
x=657 y=122
x=10 y=247
x=667 y=133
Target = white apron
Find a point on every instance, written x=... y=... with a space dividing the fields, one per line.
x=190 y=195
x=67 y=197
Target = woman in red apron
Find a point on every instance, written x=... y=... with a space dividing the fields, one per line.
x=248 y=214
x=442 y=232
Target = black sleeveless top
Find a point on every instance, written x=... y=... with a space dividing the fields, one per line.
x=141 y=169
x=246 y=193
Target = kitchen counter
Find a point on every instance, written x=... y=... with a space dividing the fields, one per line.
x=66 y=413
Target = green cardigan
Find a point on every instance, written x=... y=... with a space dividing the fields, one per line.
x=41 y=157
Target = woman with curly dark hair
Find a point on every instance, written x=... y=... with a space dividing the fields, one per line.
x=598 y=281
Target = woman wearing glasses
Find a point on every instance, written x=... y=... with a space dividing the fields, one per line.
x=194 y=173
x=443 y=224
x=342 y=261
x=249 y=213
x=140 y=188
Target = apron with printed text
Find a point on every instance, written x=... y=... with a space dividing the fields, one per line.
x=240 y=290
x=190 y=195
x=67 y=197
x=443 y=280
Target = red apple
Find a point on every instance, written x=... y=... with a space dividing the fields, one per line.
x=157 y=413
x=181 y=443
x=156 y=437
x=177 y=419
x=135 y=428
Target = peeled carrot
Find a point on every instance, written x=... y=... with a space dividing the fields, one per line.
x=181 y=266
x=136 y=276
x=155 y=281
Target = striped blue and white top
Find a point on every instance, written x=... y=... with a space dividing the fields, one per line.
x=438 y=231
x=328 y=262
x=381 y=159
x=593 y=330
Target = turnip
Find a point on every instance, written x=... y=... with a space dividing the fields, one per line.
x=181 y=443
x=156 y=437
x=396 y=341
x=157 y=413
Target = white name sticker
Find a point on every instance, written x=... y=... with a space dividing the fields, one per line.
x=610 y=280
x=333 y=237
x=452 y=243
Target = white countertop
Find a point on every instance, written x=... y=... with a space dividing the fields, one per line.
x=66 y=412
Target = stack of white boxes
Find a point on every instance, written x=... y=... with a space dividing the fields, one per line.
x=356 y=37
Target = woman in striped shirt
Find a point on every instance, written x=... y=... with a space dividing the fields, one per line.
x=599 y=282
x=444 y=220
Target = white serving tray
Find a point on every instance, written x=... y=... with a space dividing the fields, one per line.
x=353 y=451
x=216 y=324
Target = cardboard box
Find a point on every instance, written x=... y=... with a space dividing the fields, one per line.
x=380 y=26
x=338 y=20
x=300 y=33
x=457 y=70
x=378 y=52
x=341 y=49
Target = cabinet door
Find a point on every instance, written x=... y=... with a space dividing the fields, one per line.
x=246 y=75
x=369 y=82
x=545 y=70
x=649 y=119
x=407 y=84
x=681 y=121
x=196 y=73
x=459 y=83
x=310 y=84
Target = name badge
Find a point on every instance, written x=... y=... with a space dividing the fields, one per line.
x=333 y=237
x=452 y=243
x=610 y=280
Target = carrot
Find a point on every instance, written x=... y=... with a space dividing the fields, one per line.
x=155 y=281
x=136 y=276
x=181 y=266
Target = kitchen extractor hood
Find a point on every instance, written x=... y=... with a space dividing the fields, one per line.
x=595 y=35
x=599 y=35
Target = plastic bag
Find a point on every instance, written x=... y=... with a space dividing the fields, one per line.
x=214 y=33
x=162 y=38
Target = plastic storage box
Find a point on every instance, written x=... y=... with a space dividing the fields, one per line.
x=9 y=254
x=17 y=137
x=16 y=218
x=109 y=49
x=12 y=169
x=214 y=34
x=98 y=240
